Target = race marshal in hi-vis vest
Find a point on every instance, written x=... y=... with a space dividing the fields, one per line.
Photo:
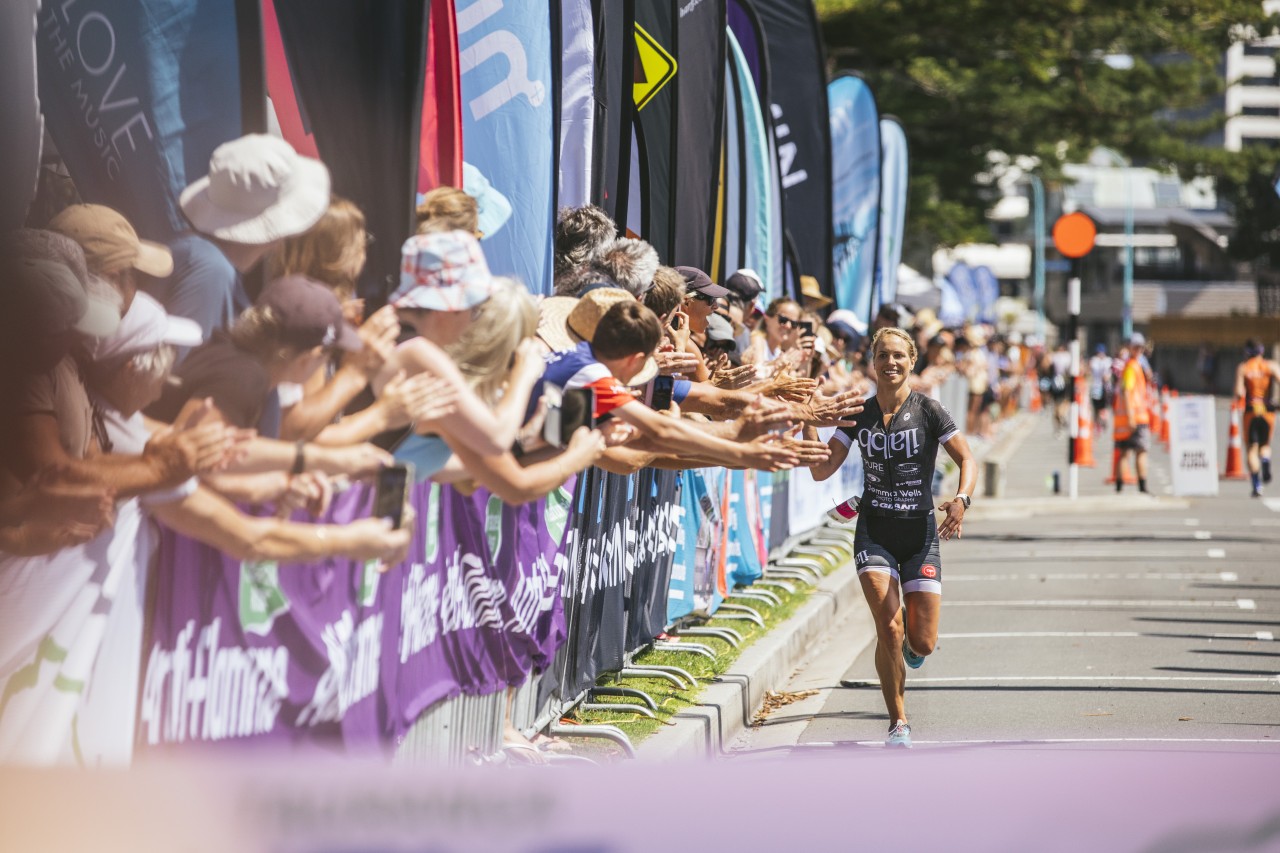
x=1131 y=399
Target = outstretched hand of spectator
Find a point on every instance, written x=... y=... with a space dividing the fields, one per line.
x=311 y=490
x=769 y=453
x=584 y=448
x=675 y=361
x=528 y=364
x=199 y=443
x=808 y=452
x=725 y=375
x=763 y=416
x=617 y=432
x=51 y=498
x=793 y=389
x=836 y=411
x=379 y=335
x=418 y=399
x=357 y=461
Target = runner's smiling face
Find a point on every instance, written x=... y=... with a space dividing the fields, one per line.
x=892 y=360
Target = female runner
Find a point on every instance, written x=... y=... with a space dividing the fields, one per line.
x=898 y=433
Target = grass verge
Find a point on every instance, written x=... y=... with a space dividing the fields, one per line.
x=672 y=700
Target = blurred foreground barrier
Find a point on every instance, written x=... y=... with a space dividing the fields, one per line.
x=501 y=617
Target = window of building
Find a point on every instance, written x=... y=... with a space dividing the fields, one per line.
x=1259 y=50
x=1267 y=82
x=1269 y=112
x=1259 y=140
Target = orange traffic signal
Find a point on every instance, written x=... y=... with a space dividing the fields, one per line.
x=1074 y=234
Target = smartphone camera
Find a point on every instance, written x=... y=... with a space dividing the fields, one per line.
x=391 y=492
x=566 y=412
x=658 y=394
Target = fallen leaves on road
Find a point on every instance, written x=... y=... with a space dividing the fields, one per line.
x=1184 y=719
x=774 y=701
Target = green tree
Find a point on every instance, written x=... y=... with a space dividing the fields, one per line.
x=1051 y=79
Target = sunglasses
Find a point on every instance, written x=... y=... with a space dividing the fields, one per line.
x=785 y=321
x=702 y=297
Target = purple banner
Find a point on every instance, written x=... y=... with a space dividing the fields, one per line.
x=335 y=653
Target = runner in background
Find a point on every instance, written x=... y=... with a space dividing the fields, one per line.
x=1100 y=384
x=1254 y=380
x=1132 y=415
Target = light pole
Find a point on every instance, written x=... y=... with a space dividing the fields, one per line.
x=1037 y=192
x=1126 y=313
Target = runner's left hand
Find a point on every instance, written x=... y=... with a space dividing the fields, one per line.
x=951 y=525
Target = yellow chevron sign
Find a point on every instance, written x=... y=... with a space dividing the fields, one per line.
x=654 y=68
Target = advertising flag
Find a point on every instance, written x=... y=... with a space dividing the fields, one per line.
x=950 y=307
x=798 y=103
x=759 y=250
x=509 y=127
x=440 y=145
x=339 y=53
x=615 y=57
x=577 y=102
x=747 y=29
x=654 y=143
x=987 y=287
x=966 y=290
x=136 y=95
x=21 y=143
x=855 y=145
x=699 y=82
x=894 y=168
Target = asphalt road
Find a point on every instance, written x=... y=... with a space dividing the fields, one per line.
x=1117 y=620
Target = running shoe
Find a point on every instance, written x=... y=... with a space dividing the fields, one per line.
x=899 y=735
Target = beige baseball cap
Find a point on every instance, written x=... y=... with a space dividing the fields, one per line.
x=110 y=244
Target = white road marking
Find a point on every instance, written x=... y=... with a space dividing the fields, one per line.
x=1229 y=577
x=1100 y=576
x=1064 y=740
x=1272 y=504
x=1030 y=635
x=1242 y=603
x=1192 y=522
x=1217 y=553
x=1004 y=555
x=1220 y=679
x=1202 y=534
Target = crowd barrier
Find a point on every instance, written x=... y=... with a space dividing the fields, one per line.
x=499 y=614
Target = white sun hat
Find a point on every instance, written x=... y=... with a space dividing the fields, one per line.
x=258 y=190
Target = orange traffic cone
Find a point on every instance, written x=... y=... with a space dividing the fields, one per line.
x=1235 y=450
x=1169 y=396
x=1126 y=470
x=1156 y=426
x=1084 y=429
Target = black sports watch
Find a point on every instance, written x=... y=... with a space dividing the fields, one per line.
x=964 y=499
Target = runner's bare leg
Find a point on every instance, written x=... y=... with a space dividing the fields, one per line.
x=881 y=591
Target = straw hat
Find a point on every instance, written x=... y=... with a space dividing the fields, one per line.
x=812 y=291
x=564 y=322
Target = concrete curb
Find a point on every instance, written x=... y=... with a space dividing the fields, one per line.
x=726 y=706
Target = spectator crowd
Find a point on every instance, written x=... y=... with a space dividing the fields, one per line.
x=167 y=374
